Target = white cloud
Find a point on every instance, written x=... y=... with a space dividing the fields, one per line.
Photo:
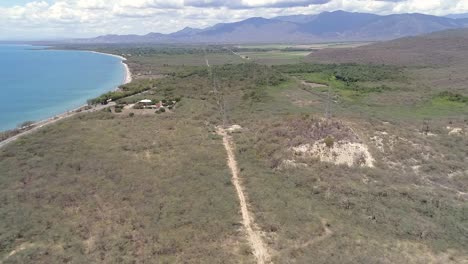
x=77 y=18
x=92 y=4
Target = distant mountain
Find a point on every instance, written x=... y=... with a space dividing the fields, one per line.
x=188 y=31
x=396 y=26
x=255 y=29
x=327 y=26
x=457 y=16
x=298 y=19
x=338 y=23
x=448 y=47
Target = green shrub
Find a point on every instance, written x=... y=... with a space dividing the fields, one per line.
x=124 y=91
x=329 y=141
x=453 y=97
x=26 y=124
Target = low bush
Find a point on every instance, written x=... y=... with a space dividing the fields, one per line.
x=124 y=91
x=26 y=124
x=329 y=141
x=453 y=97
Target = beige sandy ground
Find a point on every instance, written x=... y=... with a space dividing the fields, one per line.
x=341 y=153
x=128 y=74
x=455 y=131
x=256 y=242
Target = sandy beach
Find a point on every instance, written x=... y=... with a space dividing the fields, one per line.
x=128 y=75
x=82 y=109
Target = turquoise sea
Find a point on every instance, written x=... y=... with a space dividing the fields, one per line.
x=36 y=83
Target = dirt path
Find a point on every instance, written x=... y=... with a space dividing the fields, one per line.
x=254 y=237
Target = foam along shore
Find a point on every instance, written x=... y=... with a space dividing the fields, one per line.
x=128 y=74
x=82 y=109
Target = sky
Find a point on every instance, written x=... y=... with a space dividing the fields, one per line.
x=58 y=19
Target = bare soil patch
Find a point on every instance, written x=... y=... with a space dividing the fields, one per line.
x=341 y=153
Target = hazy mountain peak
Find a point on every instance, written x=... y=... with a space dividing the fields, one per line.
x=300 y=19
x=186 y=31
x=327 y=26
x=458 y=16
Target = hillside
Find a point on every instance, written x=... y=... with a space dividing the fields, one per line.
x=440 y=48
x=327 y=26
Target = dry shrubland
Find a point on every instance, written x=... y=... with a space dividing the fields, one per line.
x=110 y=188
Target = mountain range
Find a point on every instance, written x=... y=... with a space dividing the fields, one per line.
x=323 y=27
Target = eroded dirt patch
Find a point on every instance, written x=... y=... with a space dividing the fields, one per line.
x=341 y=153
x=302 y=140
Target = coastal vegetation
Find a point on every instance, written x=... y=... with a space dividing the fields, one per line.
x=135 y=188
x=123 y=91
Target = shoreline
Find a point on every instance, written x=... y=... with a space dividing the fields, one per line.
x=82 y=109
x=128 y=74
x=42 y=123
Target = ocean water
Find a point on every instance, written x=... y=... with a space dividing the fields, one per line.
x=37 y=84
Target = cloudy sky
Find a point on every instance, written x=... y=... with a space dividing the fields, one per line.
x=52 y=19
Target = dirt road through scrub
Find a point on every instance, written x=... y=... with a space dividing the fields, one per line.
x=259 y=249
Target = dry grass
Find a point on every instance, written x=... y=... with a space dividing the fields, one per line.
x=111 y=188
x=108 y=188
x=437 y=49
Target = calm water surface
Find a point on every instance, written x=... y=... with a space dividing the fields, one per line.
x=36 y=84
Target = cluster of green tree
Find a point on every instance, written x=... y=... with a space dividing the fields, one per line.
x=170 y=50
x=124 y=91
x=348 y=73
x=254 y=79
x=453 y=97
x=189 y=71
x=119 y=108
x=266 y=49
x=298 y=49
x=240 y=49
x=150 y=49
x=260 y=75
x=365 y=89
